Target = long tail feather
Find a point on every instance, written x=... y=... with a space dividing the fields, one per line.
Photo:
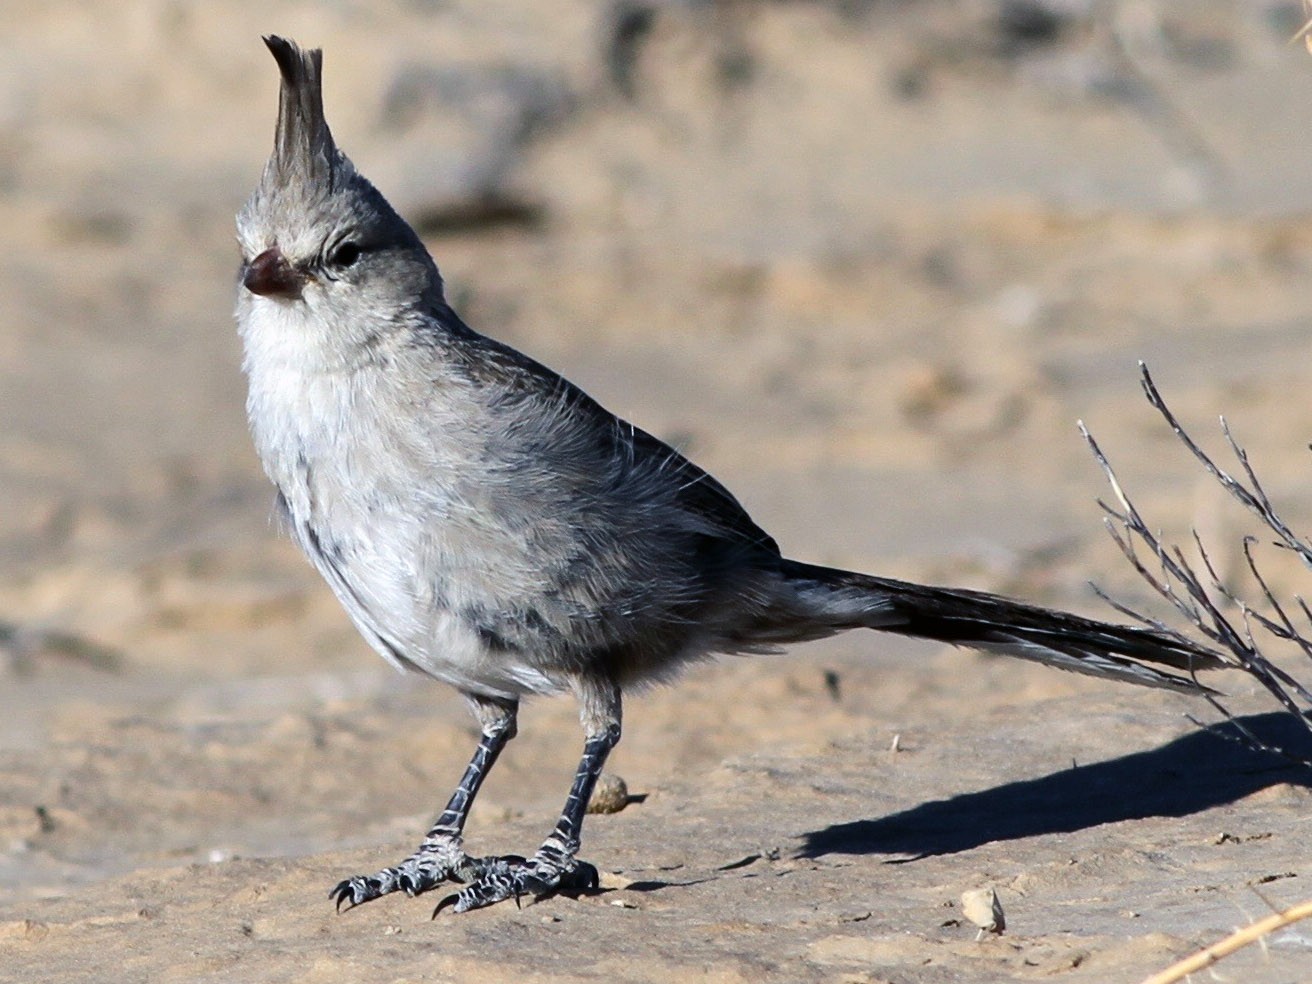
x=844 y=599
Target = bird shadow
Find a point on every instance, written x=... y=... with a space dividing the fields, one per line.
x=1200 y=770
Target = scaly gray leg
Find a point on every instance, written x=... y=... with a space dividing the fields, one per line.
x=554 y=866
x=442 y=856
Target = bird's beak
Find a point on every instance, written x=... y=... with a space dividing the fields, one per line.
x=270 y=275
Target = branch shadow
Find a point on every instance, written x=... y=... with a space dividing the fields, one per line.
x=1195 y=772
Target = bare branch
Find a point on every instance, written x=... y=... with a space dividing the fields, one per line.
x=1238 y=939
x=1210 y=608
x=1254 y=498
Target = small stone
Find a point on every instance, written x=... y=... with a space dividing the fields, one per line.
x=613 y=880
x=610 y=796
x=981 y=906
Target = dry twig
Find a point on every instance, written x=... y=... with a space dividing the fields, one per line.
x=1230 y=624
x=1239 y=938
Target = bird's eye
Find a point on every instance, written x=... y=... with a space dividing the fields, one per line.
x=345 y=254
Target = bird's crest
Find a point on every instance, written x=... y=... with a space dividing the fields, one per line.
x=303 y=148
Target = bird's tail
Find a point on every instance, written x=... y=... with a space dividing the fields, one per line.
x=835 y=600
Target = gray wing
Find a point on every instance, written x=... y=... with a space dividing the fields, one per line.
x=608 y=438
x=647 y=559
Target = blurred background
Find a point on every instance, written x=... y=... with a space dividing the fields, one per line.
x=867 y=261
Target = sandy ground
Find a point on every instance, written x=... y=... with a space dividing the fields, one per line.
x=868 y=263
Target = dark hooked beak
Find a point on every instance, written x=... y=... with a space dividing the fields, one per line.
x=270 y=275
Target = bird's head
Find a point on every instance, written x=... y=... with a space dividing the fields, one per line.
x=317 y=239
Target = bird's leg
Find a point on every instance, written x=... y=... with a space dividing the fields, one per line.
x=555 y=866
x=442 y=856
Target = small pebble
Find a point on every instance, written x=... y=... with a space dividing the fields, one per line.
x=610 y=796
x=981 y=906
x=613 y=880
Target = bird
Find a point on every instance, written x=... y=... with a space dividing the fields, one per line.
x=485 y=522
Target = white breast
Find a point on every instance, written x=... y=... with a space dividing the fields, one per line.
x=369 y=495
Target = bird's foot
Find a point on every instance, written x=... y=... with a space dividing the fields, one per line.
x=435 y=862
x=546 y=873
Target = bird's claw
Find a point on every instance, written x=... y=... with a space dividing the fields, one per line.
x=356 y=891
x=513 y=877
x=423 y=870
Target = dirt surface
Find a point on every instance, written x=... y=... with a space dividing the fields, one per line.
x=868 y=263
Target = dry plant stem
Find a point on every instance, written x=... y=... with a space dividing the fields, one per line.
x=1304 y=33
x=1199 y=597
x=1235 y=941
x=1254 y=499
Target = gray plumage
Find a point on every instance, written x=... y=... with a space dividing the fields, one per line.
x=485 y=522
